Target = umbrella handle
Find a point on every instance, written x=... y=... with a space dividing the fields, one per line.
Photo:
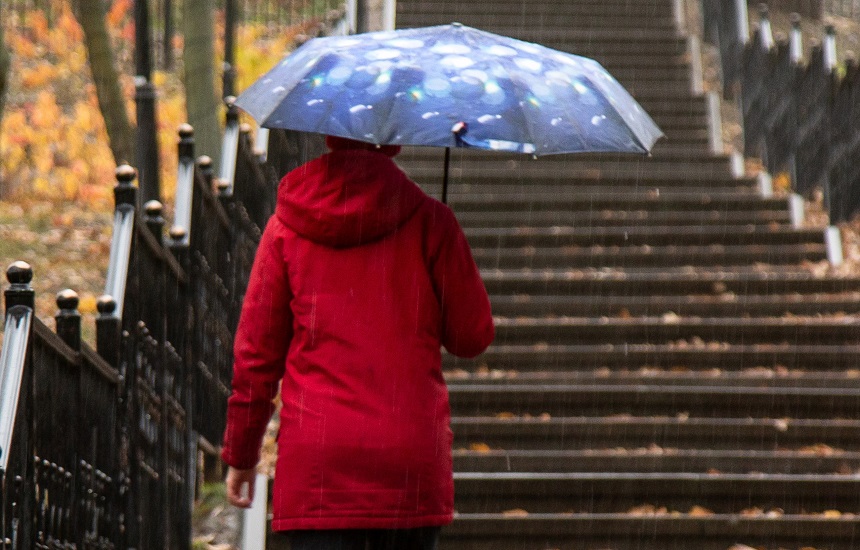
x=445 y=176
x=459 y=130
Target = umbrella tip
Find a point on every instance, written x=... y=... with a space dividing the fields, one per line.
x=456 y=24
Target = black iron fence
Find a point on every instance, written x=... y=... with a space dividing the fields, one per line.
x=99 y=449
x=799 y=116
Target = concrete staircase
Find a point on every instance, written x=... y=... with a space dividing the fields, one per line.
x=675 y=367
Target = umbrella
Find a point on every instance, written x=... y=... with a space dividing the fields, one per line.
x=450 y=86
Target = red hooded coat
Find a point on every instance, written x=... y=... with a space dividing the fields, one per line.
x=358 y=279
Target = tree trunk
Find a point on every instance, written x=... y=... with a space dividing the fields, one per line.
x=4 y=69
x=91 y=14
x=201 y=101
x=4 y=84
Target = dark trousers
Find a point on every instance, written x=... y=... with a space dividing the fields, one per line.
x=420 y=538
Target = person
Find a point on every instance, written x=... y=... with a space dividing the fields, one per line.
x=358 y=280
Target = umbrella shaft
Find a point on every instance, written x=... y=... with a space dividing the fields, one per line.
x=445 y=176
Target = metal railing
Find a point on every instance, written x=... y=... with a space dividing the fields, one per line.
x=100 y=449
x=800 y=118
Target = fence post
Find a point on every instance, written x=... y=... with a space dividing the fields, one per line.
x=167 y=39
x=154 y=220
x=795 y=39
x=68 y=318
x=743 y=22
x=20 y=293
x=829 y=45
x=230 y=145
x=146 y=150
x=229 y=76
x=16 y=417
x=107 y=330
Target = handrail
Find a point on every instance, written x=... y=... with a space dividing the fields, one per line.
x=13 y=356
x=125 y=195
x=184 y=182
x=229 y=147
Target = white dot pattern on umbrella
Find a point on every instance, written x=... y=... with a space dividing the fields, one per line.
x=409 y=87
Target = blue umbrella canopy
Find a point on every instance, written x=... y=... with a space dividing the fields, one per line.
x=450 y=86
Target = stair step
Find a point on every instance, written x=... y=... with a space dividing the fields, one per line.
x=681 y=432
x=643 y=256
x=606 y=198
x=656 y=459
x=463 y=158
x=621 y=11
x=837 y=330
x=566 y=400
x=641 y=282
x=767 y=305
x=639 y=235
x=541 y=18
x=647 y=532
x=636 y=172
x=626 y=217
x=676 y=355
x=757 y=377
x=617 y=492
x=618 y=37
x=561 y=166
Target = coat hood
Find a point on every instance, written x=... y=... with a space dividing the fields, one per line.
x=347 y=198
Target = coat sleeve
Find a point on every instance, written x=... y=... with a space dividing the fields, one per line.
x=260 y=349
x=467 y=322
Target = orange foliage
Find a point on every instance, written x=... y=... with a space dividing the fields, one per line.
x=53 y=140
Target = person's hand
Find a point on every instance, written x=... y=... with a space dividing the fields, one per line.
x=236 y=481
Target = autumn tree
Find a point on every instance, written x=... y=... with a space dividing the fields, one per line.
x=202 y=104
x=92 y=16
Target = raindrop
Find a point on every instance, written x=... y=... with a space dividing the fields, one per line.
x=484 y=119
x=543 y=92
x=437 y=87
x=359 y=108
x=347 y=43
x=597 y=119
x=502 y=51
x=382 y=54
x=384 y=35
x=456 y=61
x=338 y=75
x=362 y=77
x=493 y=94
x=556 y=121
x=465 y=87
x=313 y=102
x=415 y=94
x=567 y=60
x=529 y=65
x=278 y=90
x=557 y=78
x=476 y=74
x=528 y=48
x=451 y=49
x=430 y=115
